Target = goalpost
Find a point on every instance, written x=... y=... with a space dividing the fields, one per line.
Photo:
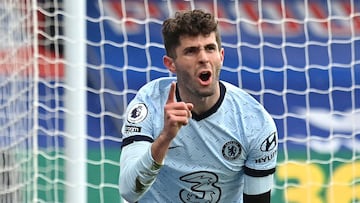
x=300 y=59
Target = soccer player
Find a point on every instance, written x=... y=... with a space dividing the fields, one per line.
x=194 y=138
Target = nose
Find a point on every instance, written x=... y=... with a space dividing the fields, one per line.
x=203 y=56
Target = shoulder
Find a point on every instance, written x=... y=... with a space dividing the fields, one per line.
x=251 y=112
x=143 y=112
x=151 y=96
x=157 y=84
x=236 y=91
x=240 y=97
x=156 y=87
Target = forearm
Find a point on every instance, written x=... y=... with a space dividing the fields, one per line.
x=159 y=148
x=137 y=170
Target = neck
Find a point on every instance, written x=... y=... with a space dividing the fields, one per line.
x=201 y=103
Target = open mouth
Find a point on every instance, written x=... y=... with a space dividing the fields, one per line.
x=204 y=76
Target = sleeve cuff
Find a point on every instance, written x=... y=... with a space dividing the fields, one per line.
x=148 y=170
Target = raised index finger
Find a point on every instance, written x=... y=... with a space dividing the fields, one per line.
x=171 y=97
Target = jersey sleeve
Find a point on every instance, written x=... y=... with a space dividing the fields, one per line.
x=258 y=185
x=262 y=155
x=261 y=161
x=138 y=170
x=138 y=121
x=144 y=115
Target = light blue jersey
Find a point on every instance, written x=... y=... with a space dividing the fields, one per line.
x=208 y=158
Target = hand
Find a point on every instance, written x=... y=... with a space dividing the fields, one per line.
x=176 y=114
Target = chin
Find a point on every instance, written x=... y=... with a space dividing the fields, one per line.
x=206 y=92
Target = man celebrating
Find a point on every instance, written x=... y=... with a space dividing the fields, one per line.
x=194 y=138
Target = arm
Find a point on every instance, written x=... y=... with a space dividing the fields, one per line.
x=176 y=114
x=137 y=170
x=257 y=189
x=140 y=161
x=260 y=166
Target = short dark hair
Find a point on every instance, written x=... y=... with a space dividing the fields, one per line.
x=192 y=23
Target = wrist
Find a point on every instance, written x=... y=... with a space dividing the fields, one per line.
x=159 y=148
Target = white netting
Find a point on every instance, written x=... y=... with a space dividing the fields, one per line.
x=16 y=102
x=300 y=58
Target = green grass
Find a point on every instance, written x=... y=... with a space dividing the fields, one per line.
x=103 y=171
x=102 y=176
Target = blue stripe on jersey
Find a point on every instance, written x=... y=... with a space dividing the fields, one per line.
x=257 y=172
x=135 y=138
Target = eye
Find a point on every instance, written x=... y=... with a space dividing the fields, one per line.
x=190 y=50
x=210 y=48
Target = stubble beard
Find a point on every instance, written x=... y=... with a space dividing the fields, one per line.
x=195 y=90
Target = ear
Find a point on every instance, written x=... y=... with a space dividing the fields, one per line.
x=169 y=63
x=222 y=55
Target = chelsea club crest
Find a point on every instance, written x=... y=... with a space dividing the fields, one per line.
x=231 y=150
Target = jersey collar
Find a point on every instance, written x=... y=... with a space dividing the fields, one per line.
x=213 y=109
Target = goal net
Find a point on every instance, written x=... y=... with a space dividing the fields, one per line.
x=17 y=96
x=300 y=59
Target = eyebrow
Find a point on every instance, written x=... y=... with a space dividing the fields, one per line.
x=198 y=47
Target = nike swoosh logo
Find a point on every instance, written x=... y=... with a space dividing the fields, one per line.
x=173 y=147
